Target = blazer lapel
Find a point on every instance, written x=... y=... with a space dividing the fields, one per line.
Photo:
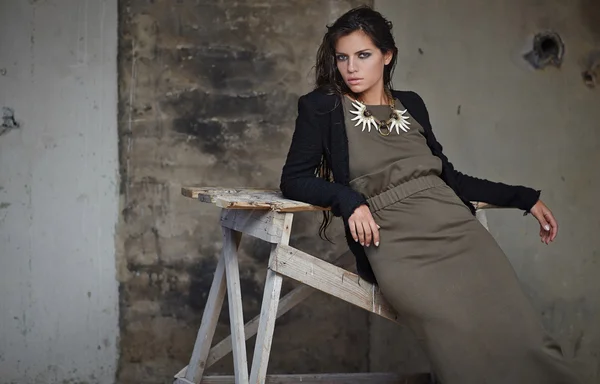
x=339 y=144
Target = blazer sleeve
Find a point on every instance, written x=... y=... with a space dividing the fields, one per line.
x=299 y=180
x=477 y=189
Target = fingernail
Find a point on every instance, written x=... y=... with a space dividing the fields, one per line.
x=361 y=243
x=356 y=240
x=368 y=245
x=547 y=227
x=377 y=244
x=378 y=226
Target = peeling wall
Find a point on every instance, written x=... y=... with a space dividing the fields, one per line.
x=208 y=94
x=58 y=192
x=500 y=119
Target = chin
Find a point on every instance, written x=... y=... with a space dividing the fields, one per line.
x=359 y=88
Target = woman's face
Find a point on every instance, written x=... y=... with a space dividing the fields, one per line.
x=360 y=62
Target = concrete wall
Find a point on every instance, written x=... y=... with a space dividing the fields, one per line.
x=500 y=119
x=58 y=192
x=208 y=96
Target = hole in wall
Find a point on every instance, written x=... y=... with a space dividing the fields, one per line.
x=548 y=50
x=549 y=46
x=591 y=77
x=8 y=120
x=588 y=79
x=591 y=70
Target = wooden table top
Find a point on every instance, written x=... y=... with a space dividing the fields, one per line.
x=254 y=198
x=247 y=198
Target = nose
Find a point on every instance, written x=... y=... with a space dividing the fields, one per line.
x=351 y=65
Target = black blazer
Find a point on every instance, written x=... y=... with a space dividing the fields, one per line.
x=320 y=134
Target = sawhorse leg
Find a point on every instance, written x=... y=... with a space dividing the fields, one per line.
x=268 y=311
x=234 y=298
x=289 y=301
x=226 y=276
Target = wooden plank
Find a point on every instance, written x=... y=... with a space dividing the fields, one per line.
x=264 y=338
x=347 y=378
x=287 y=229
x=247 y=198
x=208 y=325
x=271 y=201
x=279 y=206
x=194 y=192
x=183 y=380
x=263 y=199
x=234 y=299
x=482 y=217
x=332 y=280
x=275 y=202
x=268 y=311
x=289 y=301
x=265 y=225
x=481 y=205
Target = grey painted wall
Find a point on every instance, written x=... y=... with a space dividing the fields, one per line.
x=500 y=119
x=58 y=192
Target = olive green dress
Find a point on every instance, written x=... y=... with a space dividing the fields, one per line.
x=442 y=270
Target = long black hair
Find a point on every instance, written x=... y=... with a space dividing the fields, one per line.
x=329 y=79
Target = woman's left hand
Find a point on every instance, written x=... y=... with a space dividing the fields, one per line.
x=548 y=225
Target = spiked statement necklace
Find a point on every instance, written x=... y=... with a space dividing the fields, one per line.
x=397 y=119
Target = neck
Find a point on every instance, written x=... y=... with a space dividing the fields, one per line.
x=375 y=95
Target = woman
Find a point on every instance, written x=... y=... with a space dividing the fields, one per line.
x=369 y=153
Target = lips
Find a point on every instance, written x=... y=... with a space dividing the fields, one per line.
x=354 y=80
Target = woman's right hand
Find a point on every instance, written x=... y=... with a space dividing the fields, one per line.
x=362 y=226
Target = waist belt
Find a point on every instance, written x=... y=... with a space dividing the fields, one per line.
x=402 y=191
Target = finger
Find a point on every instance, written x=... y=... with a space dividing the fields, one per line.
x=375 y=230
x=547 y=236
x=550 y=229
x=361 y=233
x=352 y=226
x=544 y=223
x=543 y=235
x=544 y=227
x=368 y=233
x=550 y=218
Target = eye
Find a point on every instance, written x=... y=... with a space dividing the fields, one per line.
x=364 y=55
x=340 y=57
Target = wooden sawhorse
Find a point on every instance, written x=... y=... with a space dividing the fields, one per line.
x=266 y=215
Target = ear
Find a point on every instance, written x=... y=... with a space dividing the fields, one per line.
x=387 y=57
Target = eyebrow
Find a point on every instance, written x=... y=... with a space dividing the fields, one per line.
x=361 y=51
